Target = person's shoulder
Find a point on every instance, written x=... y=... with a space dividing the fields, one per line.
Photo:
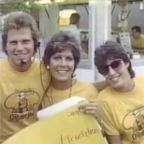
x=37 y=63
x=42 y=65
x=139 y=79
x=3 y=61
x=86 y=85
x=142 y=35
x=85 y=89
x=107 y=98
x=36 y=60
x=105 y=94
x=3 y=66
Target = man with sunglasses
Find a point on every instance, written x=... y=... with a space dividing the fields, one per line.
x=122 y=102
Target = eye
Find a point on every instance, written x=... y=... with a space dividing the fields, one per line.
x=13 y=42
x=26 y=41
x=69 y=58
x=57 y=58
x=116 y=64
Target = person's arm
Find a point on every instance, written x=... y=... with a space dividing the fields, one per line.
x=114 y=139
x=140 y=50
x=100 y=85
x=90 y=106
x=108 y=123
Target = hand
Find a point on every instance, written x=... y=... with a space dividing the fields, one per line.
x=89 y=107
x=92 y=107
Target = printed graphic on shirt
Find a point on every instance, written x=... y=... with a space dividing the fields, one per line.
x=22 y=104
x=134 y=122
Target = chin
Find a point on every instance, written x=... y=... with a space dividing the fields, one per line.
x=116 y=85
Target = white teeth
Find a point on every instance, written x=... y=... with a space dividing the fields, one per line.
x=62 y=71
x=20 y=55
x=114 y=79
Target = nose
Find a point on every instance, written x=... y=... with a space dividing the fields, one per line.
x=63 y=62
x=111 y=71
x=19 y=46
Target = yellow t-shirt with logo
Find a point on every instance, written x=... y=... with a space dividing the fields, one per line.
x=20 y=96
x=69 y=126
x=123 y=113
x=79 y=88
x=139 y=42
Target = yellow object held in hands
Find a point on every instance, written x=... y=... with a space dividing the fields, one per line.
x=67 y=127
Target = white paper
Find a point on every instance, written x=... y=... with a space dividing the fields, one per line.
x=125 y=41
x=56 y=108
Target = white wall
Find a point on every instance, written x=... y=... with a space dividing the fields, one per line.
x=48 y=21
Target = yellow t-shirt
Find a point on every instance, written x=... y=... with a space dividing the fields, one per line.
x=79 y=88
x=123 y=113
x=139 y=42
x=20 y=96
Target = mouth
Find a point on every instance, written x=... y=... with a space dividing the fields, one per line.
x=20 y=55
x=114 y=79
x=62 y=71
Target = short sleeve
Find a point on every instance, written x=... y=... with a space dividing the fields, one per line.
x=107 y=118
x=93 y=92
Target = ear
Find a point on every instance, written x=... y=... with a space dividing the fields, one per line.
x=48 y=67
x=5 y=48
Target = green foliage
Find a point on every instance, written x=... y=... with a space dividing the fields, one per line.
x=16 y=5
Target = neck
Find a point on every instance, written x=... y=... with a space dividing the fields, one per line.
x=129 y=86
x=20 y=67
x=62 y=85
x=137 y=37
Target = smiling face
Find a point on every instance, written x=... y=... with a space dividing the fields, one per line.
x=117 y=75
x=19 y=46
x=62 y=65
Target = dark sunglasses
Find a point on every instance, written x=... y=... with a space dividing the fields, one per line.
x=116 y=65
